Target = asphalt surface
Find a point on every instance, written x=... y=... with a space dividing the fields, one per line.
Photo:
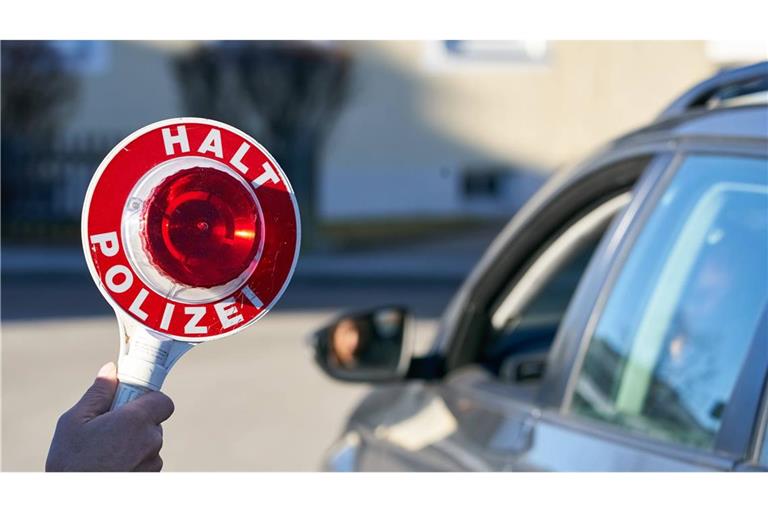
x=251 y=402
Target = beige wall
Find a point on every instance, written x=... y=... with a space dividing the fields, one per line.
x=412 y=125
x=405 y=113
x=136 y=87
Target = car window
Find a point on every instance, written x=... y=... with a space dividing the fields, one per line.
x=526 y=318
x=677 y=325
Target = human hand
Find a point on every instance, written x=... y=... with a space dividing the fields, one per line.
x=90 y=437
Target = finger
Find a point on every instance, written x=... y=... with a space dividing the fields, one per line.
x=152 y=464
x=155 y=443
x=155 y=405
x=148 y=442
x=98 y=398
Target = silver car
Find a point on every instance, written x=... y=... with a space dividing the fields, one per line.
x=618 y=322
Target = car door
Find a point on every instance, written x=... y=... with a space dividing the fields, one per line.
x=664 y=370
x=481 y=415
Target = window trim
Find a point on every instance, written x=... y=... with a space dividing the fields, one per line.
x=644 y=207
x=760 y=446
x=569 y=344
x=646 y=203
x=740 y=426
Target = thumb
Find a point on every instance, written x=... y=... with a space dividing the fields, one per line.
x=98 y=398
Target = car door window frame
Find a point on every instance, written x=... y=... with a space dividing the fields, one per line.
x=577 y=329
x=760 y=450
x=553 y=257
x=741 y=428
x=495 y=264
x=571 y=195
x=535 y=278
x=568 y=345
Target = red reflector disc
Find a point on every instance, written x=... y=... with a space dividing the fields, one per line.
x=202 y=227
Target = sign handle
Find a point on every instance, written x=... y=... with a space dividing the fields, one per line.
x=125 y=393
x=145 y=359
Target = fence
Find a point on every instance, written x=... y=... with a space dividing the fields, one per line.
x=44 y=184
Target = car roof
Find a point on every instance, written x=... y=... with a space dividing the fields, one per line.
x=732 y=104
x=739 y=122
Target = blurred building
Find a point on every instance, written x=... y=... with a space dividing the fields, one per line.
x=452 y=127
x=431 y=129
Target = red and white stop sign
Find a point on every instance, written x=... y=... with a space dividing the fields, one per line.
x=191 y=227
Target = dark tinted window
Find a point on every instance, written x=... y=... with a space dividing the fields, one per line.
x=526 y=318
x=672 y=339
x=533 y=329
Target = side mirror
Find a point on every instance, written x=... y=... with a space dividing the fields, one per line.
x=366 y=346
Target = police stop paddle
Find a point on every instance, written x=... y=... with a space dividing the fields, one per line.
x=191 y=232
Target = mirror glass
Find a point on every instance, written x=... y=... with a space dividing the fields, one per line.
x=363 y=346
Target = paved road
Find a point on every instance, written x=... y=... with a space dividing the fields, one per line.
x=251 y=402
